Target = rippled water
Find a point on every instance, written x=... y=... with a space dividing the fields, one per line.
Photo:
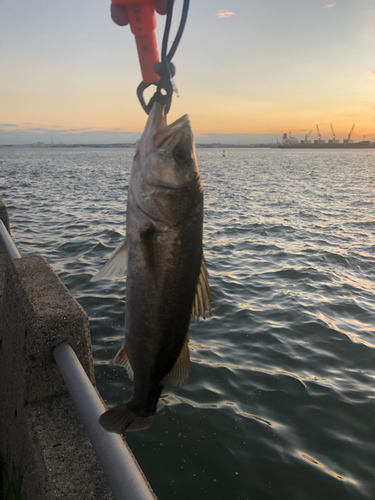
x=280 y=403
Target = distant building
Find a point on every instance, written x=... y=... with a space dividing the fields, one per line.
x=288 y=140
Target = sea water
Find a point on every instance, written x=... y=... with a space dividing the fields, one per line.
x=280 y=403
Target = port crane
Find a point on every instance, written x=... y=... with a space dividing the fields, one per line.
x=350 y=133
x=333 y=140
x=307 y=135
x=319 y=135
x=333 y=133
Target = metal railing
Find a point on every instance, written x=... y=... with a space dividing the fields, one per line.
x=122 y=471
x=9 y=244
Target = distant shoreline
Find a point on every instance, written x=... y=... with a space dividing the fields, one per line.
x=199 y=146
x=133 y=145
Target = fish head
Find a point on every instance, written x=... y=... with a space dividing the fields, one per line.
x=168 y=171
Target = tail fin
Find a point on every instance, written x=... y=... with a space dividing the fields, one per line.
x=120 y=419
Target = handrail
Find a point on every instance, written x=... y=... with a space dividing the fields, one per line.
x=10 y=246
x=122 y=471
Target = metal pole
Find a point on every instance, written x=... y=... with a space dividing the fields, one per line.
x=122 y=471
x=11 y=248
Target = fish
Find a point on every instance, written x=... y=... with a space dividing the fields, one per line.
x=167 y=278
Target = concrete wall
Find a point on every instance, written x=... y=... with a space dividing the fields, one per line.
x=40 y=430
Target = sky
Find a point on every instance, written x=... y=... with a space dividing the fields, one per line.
x=247 y=71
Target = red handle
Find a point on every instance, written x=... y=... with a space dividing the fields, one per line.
x=141 y=15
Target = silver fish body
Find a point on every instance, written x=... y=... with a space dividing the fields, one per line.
x=166 y=281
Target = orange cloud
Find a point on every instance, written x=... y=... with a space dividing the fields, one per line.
x=329 y=5
x=224 y=13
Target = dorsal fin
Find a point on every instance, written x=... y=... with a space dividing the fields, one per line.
x=202 y=299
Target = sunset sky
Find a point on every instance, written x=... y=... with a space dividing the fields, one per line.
x=251 y=68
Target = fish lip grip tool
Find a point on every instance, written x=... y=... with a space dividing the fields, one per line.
x=141 y=16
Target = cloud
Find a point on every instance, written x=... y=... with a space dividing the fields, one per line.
x=372 y=75
x=73 y=130
x=7 y=125
x=329 y=5
x=38 y=129
x=224 y=13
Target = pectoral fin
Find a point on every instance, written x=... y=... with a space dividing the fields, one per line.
x=202 y=299
x=117 y=264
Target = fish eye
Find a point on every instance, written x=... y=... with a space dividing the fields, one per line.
x=182 y=154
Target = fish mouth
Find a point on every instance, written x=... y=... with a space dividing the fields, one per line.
x=166 y=132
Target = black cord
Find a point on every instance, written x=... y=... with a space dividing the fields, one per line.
x=167 y=29
x=181 y=28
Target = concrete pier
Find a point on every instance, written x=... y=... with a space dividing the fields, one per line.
x=40 y=430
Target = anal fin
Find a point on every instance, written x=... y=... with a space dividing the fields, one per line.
x=122 y=359
x=181 y=369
